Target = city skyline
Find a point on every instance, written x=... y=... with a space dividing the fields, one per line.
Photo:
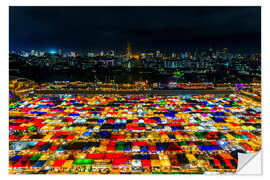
x=129 y=51
x=167 y=28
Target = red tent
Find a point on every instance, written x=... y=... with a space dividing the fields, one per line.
x=94 y=156
x=59 y=163
x=121 y=137
x=70 y=137
x=18 y=164
x=119 y=161
x=146 y=163
x=139 y=144
x=114 y=155
x=12 y=137
x=53 y=148
x=152 y=148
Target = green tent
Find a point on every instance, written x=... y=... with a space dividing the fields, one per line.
x=83 y=162
x=35 y=157
x=32 y=128
x=199 y=135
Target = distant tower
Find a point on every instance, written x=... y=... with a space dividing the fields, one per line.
x=102 y=53
x=73 y=54
x=33 y=52
x=158 y=53
x=112 y=53
x=60 y=52
x=210 y=51
x=225 y=50
x=129 y=53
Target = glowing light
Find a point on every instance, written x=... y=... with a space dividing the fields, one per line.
x=52 y=51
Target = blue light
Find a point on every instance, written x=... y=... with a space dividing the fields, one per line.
x=52 y=51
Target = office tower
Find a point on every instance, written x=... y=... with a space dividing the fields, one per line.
x=60 y=52
x=129 y=52
x=102 y=53
x=33 y=52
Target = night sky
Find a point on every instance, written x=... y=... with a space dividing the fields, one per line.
x=146 y=28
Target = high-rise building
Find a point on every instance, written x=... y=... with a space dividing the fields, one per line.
x=210 y=49
x=173 y=55
x=53 y=60
x=24 y=54
x=72 y=54
x=60 y=52
x=37 y=53
x=221 y=53
x=112 y=53
x=158 y=53
x=143 y=55
x=33 y=52
x=225 y=50
x=129 y=52
x=42 y=53
x=90 y=54
x=102 y=53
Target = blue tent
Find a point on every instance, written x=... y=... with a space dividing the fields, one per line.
x=144 y=156
x=100 y=121
x=74 y=114
x=144 y=149
x=39 y=163
x=87 y=133
x=127 y=148
x=160 y=147
x=16 y=157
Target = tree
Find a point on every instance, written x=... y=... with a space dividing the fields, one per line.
x=178 y=75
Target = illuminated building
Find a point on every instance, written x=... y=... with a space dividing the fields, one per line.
x=158 y=53
x=112 y=53
x=255 y=57
x=107 y=63
x=150 y=54
x=72 y=54
x=60 y=52
x=102 y=53
x=90 y=54
x=33 y=52
x=129 y=52
x=222 y=53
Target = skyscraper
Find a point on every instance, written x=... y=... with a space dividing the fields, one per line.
x=33 y=52
x=158 y=53
x=42 y=53
x=60 y=52
x=91 y=54
x=72 y=54
x=129 y=53
x=112 y=53
x=102 y=53
x=173 y=55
